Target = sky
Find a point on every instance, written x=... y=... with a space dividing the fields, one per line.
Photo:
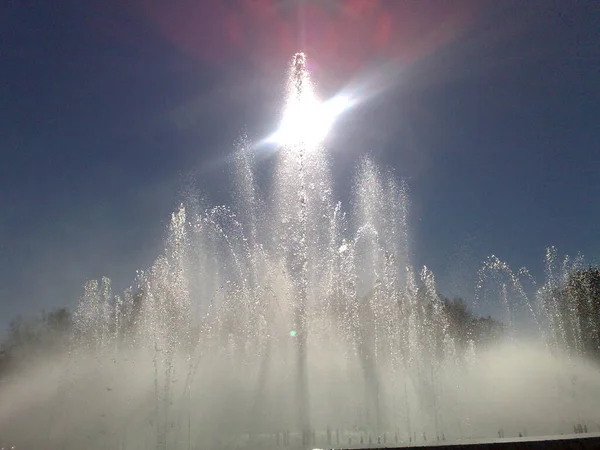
x=489 y=110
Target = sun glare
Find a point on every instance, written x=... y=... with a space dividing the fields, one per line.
x=307 y=120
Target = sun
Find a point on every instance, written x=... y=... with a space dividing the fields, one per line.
x=306 y=120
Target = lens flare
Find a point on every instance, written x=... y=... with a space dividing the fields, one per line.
x=307 y=120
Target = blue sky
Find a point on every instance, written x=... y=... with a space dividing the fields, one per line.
x=107 y=108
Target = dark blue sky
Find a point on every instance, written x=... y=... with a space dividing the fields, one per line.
x=106 y=108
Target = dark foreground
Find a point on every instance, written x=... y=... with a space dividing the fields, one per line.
x=556 y=442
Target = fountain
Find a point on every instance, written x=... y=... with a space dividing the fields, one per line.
x=285 y=321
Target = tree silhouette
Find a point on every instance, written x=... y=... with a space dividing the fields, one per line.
x=580 y=308
x=29 y=338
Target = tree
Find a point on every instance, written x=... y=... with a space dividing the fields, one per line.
x=486 y=330
x=27 y=339
x=3 y=360
x=56 y=329
x=581 y=308
x=460 y=320
x=465 y=327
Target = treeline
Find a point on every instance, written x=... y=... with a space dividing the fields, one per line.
x=573 y=310
x=574 y=313
x=29 y=338
x=464 y=327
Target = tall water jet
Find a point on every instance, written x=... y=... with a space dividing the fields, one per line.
x=296 y=142
x=300 y=266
